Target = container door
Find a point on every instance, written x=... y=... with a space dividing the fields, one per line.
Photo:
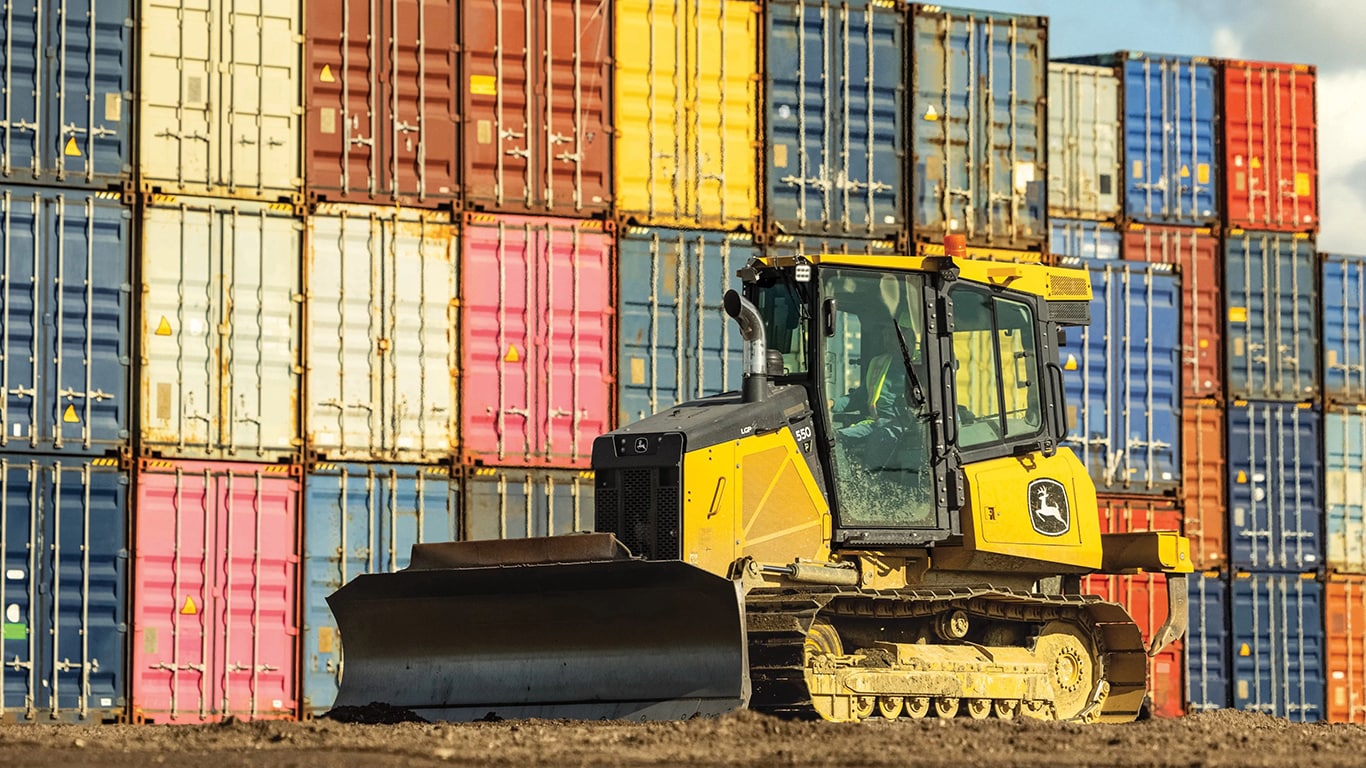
x=418 y=357
x=423 y=113
x=1207 y=662
x=83 y=625
x=1274 y=496
x=1279 y=649
x=1202 y=483
x=21 y=335
x=1086 y=362
x=1344 y=476
x=257 y=557
x=91 y=72
x=21 y=676
x=1270 y=145
x=577 y=40
x=1344 y=339
x=23 y=124
x=574 y=345
x=1345 y=613
x=1272 y=299
x=361 y=518
x=179 y=103
x=345 y=65
x=1169 y=141
x=1083 y=141
x=1147 y=372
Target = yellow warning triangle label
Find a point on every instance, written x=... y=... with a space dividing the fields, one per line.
x=71 y=149
x=69 y=415
x=1185 y=171
x=1242 y=476
x=931 y=113
x=1245 y=651
x=1256 y=162
x=512 y=356
x=326 y=75
x=189 y=608
x=163 y=327
x=1071 y=363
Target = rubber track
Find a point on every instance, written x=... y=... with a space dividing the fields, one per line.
x=777 y=621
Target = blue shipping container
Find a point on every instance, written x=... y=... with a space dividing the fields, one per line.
x=1207 y=667
x=836 y=117
x=64 y=294
x=979 y=129
x=1169 y=129
x=1122 y=376
x=676 y=342
x=361 y=518
x=63 y=588
x=1344 y=332
x=1344 y=482
x=1082 y=239
x=507 y=503
x=1271 y=296
x=67 y=112
x=1274 y=487
x=1278 y=645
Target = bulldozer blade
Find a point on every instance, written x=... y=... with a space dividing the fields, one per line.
x=623 y=639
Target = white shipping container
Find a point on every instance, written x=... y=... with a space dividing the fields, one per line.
x=220 y=329
x=1083 y=141
x=381 y=337
x=220 y=98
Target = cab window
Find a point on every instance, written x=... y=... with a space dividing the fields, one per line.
x=996 y=368
x=783 y=311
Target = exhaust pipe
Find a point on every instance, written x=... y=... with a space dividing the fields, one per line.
x=756 y=345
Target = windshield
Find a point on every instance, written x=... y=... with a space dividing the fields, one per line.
x=876 y=401
x=786 y=320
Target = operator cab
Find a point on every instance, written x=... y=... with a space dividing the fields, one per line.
x=912 y=372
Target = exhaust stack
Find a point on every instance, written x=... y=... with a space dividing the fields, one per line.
x=756 y=345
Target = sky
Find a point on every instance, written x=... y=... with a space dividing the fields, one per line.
x=1330 y=34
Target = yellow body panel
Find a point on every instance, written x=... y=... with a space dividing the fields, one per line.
x=999 y=520
x=686 y=112
x=756 y=497
x=1052 y=283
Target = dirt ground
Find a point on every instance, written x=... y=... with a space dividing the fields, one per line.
x=741 y=739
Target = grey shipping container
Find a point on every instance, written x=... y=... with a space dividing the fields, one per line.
x=1271 y=295
x=676 y=342
x=220 y=329
x=517 y=503
x=1083 y=141
x=63 y=589
x=220 y=101
x=64 y=321
x=361 y=518
x=381 y=340
x=1278 y=645
x=834 y=95
x=68 y=71
x=979 y=128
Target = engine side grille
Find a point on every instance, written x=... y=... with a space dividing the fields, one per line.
x=641 y=506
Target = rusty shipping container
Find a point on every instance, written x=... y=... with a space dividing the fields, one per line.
x=1344 y=607
x=381 y=103
x=537 y=332
x=220 y=99
x=521 y=502
x=1270 y=140
x=381 y=340
x=1196 y=253
x=1204 y=504
x=215 y=604
x=220 y=363
x=979 y=127
x=687 y=106
x=537 y=89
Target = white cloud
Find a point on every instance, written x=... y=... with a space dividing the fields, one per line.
x=1342 y=161
x=1226 y=43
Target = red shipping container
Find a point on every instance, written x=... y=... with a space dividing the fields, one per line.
x=1197 y=254
x=381 y=100
x=537 y=380
x=1345 y=619
x=537 y=104
x=1270 y=146
x=215 y=625
x=1204 y=507
x=1145 y=597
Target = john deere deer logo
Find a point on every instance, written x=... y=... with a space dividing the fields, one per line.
x=1048 y=510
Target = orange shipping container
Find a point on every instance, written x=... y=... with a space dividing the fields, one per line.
x=1205 y=520
x=1345 y=614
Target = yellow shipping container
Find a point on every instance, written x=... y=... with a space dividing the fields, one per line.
x=687 y=95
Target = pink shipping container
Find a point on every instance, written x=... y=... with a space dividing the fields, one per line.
x=215 y=620
x=1270 y=146
x=536 y=323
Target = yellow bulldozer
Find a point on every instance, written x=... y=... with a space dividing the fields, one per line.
x=881 y=523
